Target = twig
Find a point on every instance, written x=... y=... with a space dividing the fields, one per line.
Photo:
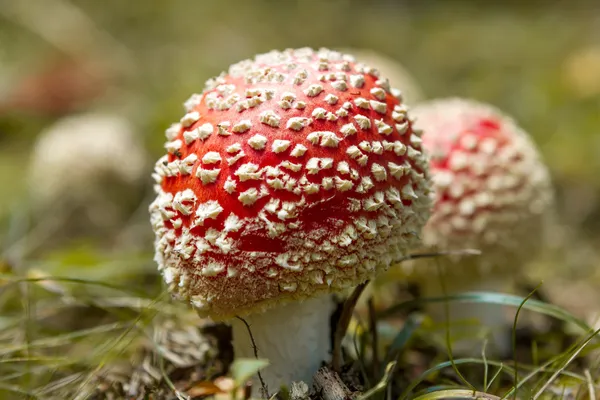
x=435 y=254
x=374 y=337
x=342 y=325
x=255 y=350
x=330 y=385
x=247 y=391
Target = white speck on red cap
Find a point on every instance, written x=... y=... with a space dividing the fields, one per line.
x=298 y=159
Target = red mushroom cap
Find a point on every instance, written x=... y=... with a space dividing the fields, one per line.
x=294 y=174
x=492 y=190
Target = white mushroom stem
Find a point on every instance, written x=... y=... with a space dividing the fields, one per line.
x=295 y=338
x=491 y=317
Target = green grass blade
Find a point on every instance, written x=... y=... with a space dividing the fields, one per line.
x=457 y=394
x=413 y=323
x=493 y=298
x=382 y=384
x=514 y=333
x=509 y=371
x=566 y=363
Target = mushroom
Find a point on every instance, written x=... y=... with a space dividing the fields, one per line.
x=492 y=192
x=82 y=163
x=291 y=176
x=61 y=86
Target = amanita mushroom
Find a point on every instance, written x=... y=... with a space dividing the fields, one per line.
x=78 y=162
x=293 y=175
x=492 y=193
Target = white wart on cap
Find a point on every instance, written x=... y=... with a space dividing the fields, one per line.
x=394 y=71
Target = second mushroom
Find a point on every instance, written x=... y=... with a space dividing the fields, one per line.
x=492 y=193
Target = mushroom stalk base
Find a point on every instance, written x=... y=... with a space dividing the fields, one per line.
x=490 y=317
x=295 y=338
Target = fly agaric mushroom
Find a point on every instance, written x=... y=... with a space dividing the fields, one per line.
x=492 y=192
x=293 y=175
x=80 y=160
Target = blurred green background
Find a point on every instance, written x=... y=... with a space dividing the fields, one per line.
x=74 y=203
x=139 y=60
